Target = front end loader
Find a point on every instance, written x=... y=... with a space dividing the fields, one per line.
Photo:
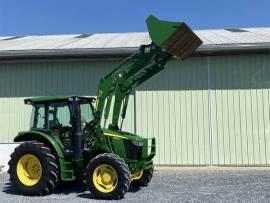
x=69 y=138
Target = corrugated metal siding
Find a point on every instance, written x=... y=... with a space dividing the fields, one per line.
x=240 y=110
x=14 y=117
x=203 y=111
x=209 y=111
x=173 y=107
x=20 y=80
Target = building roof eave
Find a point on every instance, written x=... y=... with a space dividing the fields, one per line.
x=220 y=49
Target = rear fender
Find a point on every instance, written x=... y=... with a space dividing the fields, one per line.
x=41 y=137
x=65 y=167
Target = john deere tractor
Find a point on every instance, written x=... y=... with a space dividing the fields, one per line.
x=67 y=141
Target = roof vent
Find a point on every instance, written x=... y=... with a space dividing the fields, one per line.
x=83 y=36
x=236 y=30
x=11 y=38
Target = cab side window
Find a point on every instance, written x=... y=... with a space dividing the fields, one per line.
x=63 y=115
x=59 y=115
x=41 y=117
x=38 y=116
x=86 y=112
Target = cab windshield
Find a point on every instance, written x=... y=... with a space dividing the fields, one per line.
x=58 y=114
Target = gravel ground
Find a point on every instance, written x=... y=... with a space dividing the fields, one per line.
x=169 y=186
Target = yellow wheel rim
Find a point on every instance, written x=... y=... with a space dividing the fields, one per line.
x=105 y=178
x=29 y=170
x=138 y=175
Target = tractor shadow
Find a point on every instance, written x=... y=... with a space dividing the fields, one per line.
x=71 y=187
x=9 y=189
x=66 y=188
x=88 y=195
x=78 y=188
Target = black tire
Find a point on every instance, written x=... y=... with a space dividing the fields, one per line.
x=123 y=175
x=49 y=178
x=145 y=179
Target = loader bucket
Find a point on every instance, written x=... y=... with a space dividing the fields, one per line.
x=174 y=37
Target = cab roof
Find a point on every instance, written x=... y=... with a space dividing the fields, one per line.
x=44 y=99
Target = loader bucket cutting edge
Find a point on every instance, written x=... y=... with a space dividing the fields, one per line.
x=174 y=37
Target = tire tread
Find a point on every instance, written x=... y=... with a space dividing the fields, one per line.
x=48 y=181
x=124 y=176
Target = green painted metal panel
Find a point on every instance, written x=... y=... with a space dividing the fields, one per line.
x=211 y=110
x=21 y=80
x=240 y=109
x=13 y=111
x=173 y=107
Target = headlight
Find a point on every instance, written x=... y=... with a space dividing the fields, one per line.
x=137 y=143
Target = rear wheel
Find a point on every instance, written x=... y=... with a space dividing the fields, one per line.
x=108 y=176
x=33 y=169
x=143 y=179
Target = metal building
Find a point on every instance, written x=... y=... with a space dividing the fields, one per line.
x=211 y=109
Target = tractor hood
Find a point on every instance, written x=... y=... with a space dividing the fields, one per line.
x=122 y=135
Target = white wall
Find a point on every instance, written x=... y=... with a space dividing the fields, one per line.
x=5 y=151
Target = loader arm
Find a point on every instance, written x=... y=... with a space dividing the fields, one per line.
x=168 y=39
x=132 y=73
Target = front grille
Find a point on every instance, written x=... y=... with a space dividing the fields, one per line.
x=133 y=151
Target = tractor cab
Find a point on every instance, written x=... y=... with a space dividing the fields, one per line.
x=62 y=117
x=53 y=113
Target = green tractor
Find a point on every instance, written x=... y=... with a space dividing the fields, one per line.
x=67 y=141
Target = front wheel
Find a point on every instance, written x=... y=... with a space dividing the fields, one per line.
x=108 y=176
x=144 y=178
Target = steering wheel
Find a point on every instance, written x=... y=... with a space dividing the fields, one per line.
x=91 y=126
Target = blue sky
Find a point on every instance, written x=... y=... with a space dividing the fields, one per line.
x=32 y=17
